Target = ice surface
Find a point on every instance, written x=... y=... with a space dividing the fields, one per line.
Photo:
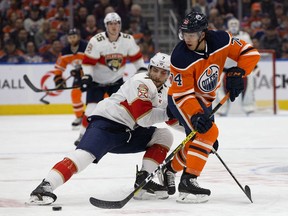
x=254 y=148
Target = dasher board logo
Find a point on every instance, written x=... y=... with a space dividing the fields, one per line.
x=114 y=61
x=207 y=82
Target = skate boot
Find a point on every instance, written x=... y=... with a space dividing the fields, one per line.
x=76 y=123
x=42 y=195
x=167 y=178
x=76 y=143
x=150 y=189
x=190 y=191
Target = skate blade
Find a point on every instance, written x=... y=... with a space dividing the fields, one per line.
x=192 y=198
x=144 y=195
x=34 y=201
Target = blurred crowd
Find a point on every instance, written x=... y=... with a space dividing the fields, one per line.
x=35 y=31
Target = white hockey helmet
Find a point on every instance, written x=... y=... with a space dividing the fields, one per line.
x=112 y=17
x=160 y=60
x=233 y=26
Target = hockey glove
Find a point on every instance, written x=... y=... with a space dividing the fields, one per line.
x=86 y=81
x=59 y=82
x=234 y=82
x=201 y=122
x=77 y=73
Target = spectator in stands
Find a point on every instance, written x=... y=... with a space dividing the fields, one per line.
x=268 y=7
x=21 y=40
x=34 y=20
x=202 y=6
x=80 y=17
x=284 y=50
x=223 y=7
x=43 y=34
x=147 y=45
x=10 y=54
x=134 y=30
x=254 y=21
x=53 y=35
x=271 y=40
x=123 y=9
x=53 y=52
x=18 y=25
x=31 y=55
x=136 y=13
x=55 y=9
x=99 y=10
x=90 y=29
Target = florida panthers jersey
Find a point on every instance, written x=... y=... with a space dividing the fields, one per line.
x=197 y=77
x=137 y=102
x=105 y=60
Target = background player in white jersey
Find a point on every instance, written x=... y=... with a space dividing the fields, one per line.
x=121 y=124
x=104 y=62
x=246 y=98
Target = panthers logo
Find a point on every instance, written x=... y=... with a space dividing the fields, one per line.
x=207 y=82
x=114 y=61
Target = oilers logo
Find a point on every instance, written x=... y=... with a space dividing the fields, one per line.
x=207 y=82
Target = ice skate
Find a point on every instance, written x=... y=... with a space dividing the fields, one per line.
x=190 y=191
x=76 y=143
x=167 y=178
x=42 y=195
x=150 y=189
x=76 y=123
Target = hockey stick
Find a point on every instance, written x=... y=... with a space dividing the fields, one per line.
x=35 y=89
x=246 y=189
x=47 y=93
x=119 y=204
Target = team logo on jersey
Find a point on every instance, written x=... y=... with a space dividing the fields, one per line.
x=142 y=91
x=114 y=61
x=207 y=82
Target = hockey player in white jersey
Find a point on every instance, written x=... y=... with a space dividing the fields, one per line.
x=246 y=99
x=104 y=62
x=122 y=124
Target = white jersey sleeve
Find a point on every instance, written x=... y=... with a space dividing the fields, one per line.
x=137 y=102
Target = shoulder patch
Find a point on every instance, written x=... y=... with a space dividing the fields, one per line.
x=142 y=91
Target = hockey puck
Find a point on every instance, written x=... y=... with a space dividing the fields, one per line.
x=56 y=208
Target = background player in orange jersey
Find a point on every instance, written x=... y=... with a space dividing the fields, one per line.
x=197 y=62
x=72 y=54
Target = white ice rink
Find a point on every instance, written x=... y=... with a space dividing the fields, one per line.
x=255 y=149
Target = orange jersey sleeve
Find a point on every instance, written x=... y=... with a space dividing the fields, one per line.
x=196 y=76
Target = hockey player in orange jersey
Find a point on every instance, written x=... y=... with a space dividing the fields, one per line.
x=72 y=54
x=197 y=62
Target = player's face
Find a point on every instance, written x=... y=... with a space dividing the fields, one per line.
x=191 y=39
x=73 y=39
x=113 y=28
x=158 y=76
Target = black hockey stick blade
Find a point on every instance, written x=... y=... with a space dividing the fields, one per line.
x=44 y=101
x=248 y=192
x=110 y=204
x=35 y=89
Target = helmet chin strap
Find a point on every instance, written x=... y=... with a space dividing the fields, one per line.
x=206 y=54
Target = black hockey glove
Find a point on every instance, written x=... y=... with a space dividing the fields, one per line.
x=77 y=73
x=86 y=81
x=59 y=82
x=201 y=122
x=234 y=81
